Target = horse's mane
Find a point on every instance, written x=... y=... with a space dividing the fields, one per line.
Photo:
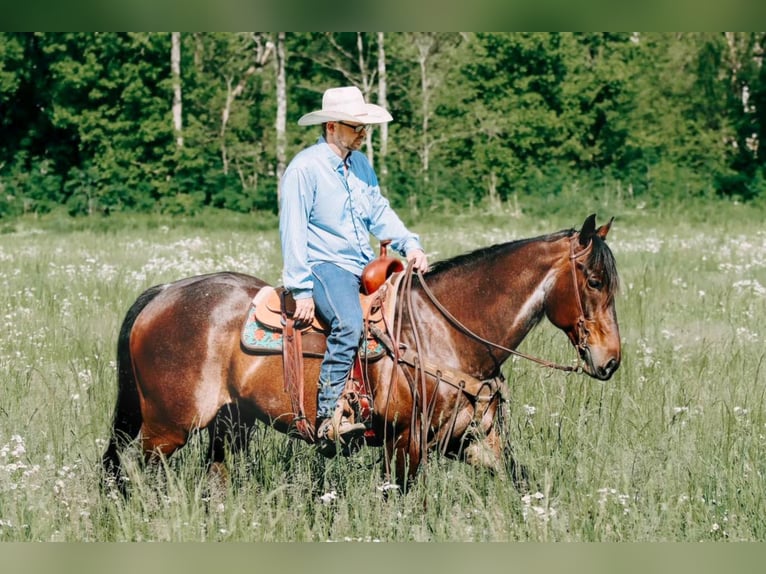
x=492 y=251
x=600 y=256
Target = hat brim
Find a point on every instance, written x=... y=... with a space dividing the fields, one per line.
x=366 y=114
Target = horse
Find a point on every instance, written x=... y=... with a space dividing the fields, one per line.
x=181 y=365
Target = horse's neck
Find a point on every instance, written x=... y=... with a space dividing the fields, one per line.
x=500 y=299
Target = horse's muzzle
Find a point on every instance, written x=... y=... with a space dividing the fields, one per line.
x=602 y=370
x=605 y=372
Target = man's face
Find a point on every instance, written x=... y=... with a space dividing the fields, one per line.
x=346 y=136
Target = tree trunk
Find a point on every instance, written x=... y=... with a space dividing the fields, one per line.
x=281 y=123
x=424 y=49
x=175 y=69
x=382 y=101
x=262 y=53
x=366 y=86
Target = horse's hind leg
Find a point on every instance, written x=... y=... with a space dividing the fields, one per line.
x=161 y=440
x=124 y=431
x=230 y=430
x=127 y=418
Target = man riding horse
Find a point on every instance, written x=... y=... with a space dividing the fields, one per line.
x=330 y=204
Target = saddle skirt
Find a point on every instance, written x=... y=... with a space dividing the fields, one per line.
x=262 y=329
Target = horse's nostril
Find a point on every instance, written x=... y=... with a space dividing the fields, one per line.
x=608 y=370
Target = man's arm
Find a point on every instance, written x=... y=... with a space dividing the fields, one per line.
x=294 y=212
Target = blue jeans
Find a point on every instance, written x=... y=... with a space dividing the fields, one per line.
x=336 y=297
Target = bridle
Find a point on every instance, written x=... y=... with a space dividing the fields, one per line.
x=582 y=330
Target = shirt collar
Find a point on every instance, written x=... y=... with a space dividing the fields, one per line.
x=331 y=156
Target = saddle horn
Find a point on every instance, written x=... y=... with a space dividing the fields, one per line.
x=378 y=270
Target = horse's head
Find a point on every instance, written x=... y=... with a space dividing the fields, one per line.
x=582 y=300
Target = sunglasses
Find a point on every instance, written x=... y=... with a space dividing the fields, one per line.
x=357 y=129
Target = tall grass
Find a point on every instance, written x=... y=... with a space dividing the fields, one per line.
x=669 y=449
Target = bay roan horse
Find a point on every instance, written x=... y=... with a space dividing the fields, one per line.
x=181 y=364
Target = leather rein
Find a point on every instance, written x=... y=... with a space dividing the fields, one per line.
x=582 y=330
x=481 y=392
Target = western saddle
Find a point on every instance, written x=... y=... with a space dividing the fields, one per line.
x=275 y=307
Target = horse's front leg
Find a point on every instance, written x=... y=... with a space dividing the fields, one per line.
x=403 y=456
x=486 y=452
x=487 y=449
x=484 y=446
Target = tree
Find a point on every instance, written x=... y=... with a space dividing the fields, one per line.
x=281 y=120
x=230 y=111
x=114 y=91
x=513 y=101
x=106 y=121
x=256 y=49
x=175 y=68
x=425 y=106
x=742 y=63
x=382 y=101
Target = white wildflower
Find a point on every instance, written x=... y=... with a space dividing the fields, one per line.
x=328 y=497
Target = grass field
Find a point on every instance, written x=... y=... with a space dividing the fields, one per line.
x=670 y=449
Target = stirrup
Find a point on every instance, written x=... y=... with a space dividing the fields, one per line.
x=343 y=435
x=342 y=431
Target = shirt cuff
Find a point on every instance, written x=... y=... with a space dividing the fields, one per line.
x=301 y=293
x=410 y=245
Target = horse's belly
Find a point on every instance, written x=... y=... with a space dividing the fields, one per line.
x=259 y=384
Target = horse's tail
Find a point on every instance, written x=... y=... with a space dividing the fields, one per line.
x=127 y=419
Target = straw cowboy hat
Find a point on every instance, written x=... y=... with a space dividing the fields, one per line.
x=346 y=104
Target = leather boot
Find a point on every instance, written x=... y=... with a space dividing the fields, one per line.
x=338 y=429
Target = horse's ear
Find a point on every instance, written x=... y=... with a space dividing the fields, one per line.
x=588 y=229
x=604 y=229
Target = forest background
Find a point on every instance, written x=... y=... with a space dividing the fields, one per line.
x=184 y=123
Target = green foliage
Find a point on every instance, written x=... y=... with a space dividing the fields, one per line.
x=11 y=61
x=32 y=188
x=479 y=117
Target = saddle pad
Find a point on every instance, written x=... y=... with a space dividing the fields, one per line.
x=261 y=338
x=258 y=337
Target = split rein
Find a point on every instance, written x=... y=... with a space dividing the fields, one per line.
x=482 y=392
x=582 y=331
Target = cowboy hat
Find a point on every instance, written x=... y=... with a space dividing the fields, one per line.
x=346 y=104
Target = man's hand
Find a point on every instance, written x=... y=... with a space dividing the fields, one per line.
x=304 y=310
x=419 y=260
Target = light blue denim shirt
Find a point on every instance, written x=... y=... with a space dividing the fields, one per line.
x=326 y=216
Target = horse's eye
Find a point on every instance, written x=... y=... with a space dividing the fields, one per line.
x=595 y=283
